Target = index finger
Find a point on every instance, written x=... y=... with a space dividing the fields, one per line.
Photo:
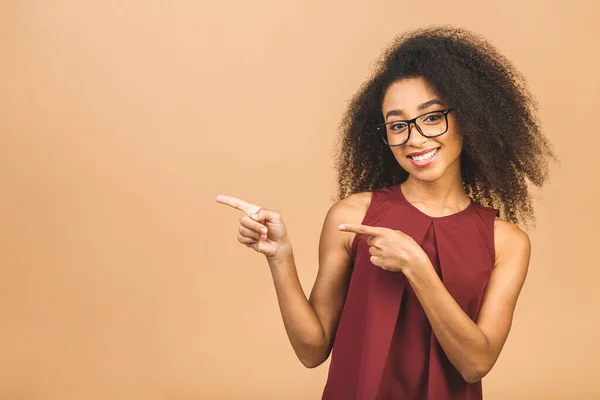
x=238 y=204
x=362 y=229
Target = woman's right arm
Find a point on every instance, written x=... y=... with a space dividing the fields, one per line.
x=310 y=323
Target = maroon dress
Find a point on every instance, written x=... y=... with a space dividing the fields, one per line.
x=384 y=347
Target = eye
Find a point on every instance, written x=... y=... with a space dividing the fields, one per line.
x=397 y=126
x=433 y=118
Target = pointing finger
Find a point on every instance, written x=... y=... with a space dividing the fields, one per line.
x=248 y=208
x=362 y=229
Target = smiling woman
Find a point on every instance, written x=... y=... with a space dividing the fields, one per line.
x=418 y=275
x=493 y=115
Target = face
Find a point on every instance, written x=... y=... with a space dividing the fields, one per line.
x=425 y=159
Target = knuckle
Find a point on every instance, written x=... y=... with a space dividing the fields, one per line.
x=255 y=209
x=257 y=225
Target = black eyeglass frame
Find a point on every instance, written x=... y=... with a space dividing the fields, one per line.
x=381 y=128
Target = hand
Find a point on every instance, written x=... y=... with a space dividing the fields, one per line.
x=260 y=229
x=391 y=250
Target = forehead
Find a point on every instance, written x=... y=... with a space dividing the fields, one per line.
x=407 y=94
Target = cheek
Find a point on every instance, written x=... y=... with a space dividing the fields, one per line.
x=453 y=143
x=400 y=157
x=453 y=138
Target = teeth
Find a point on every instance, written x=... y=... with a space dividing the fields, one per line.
x=424 y=157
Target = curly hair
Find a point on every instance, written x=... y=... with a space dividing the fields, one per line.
x=503 y=146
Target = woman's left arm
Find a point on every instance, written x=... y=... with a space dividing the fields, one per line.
x=474 y=347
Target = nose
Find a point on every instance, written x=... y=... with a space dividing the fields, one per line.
x=416 y=139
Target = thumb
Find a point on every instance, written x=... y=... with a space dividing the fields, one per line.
x=264 y=215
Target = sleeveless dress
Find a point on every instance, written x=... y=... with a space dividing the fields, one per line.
x=384 y=347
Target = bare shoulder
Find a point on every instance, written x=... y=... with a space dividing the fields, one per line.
x=510 y=241
x=508 y=233
x=350 y=210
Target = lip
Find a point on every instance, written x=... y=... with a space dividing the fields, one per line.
x=421 y=164
x=420 y=153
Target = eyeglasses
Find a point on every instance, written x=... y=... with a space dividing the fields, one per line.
x=430 y=125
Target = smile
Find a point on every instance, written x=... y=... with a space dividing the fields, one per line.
x=424 y=159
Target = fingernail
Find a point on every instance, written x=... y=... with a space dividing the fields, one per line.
x=255 y=216
x=342 y=227
x=263 y=230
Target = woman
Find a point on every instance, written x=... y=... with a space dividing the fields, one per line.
x=418 y=276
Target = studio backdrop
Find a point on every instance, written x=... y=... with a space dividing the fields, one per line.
x=120 y=121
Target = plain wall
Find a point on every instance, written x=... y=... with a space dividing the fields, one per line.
x=121 y=278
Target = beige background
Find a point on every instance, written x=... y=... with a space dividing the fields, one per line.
x=121 y=278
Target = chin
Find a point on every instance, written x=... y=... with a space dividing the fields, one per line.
x=425 y=176
x=428 y=174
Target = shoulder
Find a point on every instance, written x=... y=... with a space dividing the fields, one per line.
x=350 y=210
x=508 y=233
x=510 y=241
x=353 y=206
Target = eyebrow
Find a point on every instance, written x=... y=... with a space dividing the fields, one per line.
x=419 y=107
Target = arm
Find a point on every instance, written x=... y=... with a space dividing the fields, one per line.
x=311 y=323
x=474 y=347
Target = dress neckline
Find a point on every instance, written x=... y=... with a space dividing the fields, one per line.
x=444 y=217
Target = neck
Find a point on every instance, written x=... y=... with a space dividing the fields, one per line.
x=446 y=193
